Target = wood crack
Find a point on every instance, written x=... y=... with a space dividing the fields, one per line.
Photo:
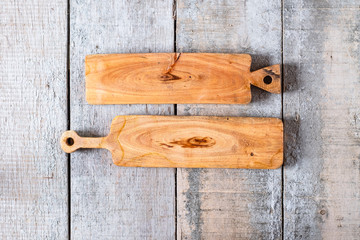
x=171 y=67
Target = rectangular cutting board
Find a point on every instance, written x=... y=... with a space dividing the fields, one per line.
x=188 y=142
x=157 y=78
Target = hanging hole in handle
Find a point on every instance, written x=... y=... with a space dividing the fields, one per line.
x=267 y=80
x=70 y=141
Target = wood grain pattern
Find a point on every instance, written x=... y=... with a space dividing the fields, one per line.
x=109 y=202
x=191 y=142
x=321 y=176
x=33 y=171
x=175 y=78
x=231 y=203
x=322 y=120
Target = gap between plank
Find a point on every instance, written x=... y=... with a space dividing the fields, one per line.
x=68 y=115
x=282 y=118
x=175 y=113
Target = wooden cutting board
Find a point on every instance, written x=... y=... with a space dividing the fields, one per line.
x=175 y=78
x=188 y=141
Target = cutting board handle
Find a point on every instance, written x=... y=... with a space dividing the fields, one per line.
x=267 y=78
x=174 y=78
x=71 y=141
x=188 y=141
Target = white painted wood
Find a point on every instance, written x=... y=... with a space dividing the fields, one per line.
x=236 y=203
x=321 y=111
x=107 y=201
x=33 y=115
x=322 y=120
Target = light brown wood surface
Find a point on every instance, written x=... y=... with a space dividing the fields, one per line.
x=175 y=78
x=191 y=142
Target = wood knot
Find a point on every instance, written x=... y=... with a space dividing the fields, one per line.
x=195 y=142
x=169 y=77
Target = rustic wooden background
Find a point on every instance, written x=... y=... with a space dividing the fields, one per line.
x=47 y=194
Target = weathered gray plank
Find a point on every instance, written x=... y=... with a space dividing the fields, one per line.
x=322 y=119
x=33 y=169
x=107 y=201
x=231 y=204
